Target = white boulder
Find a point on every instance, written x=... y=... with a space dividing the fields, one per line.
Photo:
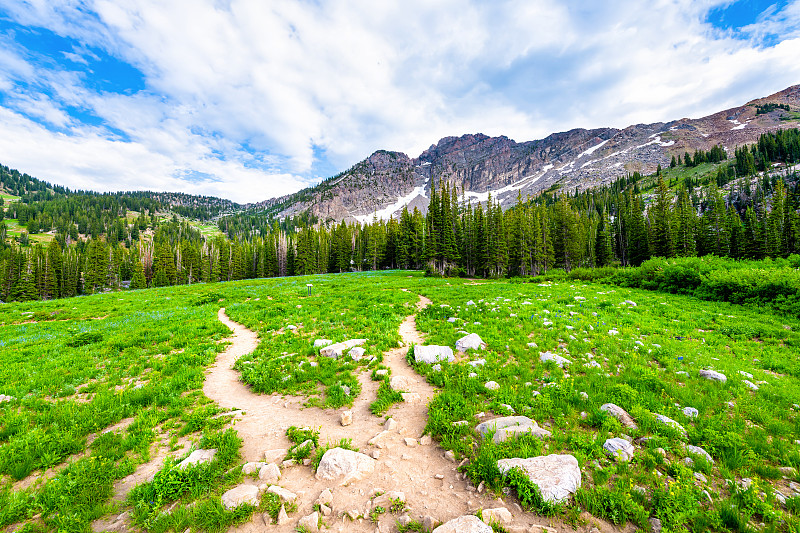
x=557 y=476
x=344 y=465
x=470 y=342
x=433 y=354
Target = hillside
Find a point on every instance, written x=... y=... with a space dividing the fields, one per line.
x=478 y=165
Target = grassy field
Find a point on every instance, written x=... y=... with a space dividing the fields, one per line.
x=75 y=367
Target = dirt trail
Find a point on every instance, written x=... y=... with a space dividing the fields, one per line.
x=412 y=470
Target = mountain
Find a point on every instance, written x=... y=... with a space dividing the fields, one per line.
x=479 y=165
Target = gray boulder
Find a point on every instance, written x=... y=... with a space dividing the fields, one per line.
x=619 y=449
x=561 y=362
x=620 y=414
x=433 y=354
x=557 y=476
x=470 y=342
x=667 y=421
x=336 y=350
x=197 y=457
x=697 y=450
x=240 y=495
x=464 y=524
x=510 y=426
x=713 y=375
x=321 y=343
x=344 y=465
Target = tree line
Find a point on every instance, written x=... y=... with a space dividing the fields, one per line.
x=618 y=224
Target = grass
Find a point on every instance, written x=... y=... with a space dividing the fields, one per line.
x=76 y=367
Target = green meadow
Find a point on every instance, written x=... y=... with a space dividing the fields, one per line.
x=134 y=361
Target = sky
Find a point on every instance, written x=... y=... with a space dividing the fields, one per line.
x=253 y=99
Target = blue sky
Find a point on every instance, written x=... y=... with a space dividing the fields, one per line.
x=247 y=100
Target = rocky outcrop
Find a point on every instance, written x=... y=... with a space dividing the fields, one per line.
x=464 y=524
x=510 y=426
x=433 y=354
x=620 y=414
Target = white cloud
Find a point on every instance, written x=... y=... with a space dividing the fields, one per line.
x=248 y=91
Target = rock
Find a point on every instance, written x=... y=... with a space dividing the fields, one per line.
x=382 y=372
x=700 y=477
x=325 y=510
x=788 y=471
x=620 y=414
x=283 y=518
x=661 y=419
x=390 y=424
x=631 y=303
x=347 y=465
x=750 y=385
x=427 y=523
x=309 y=522
x=275 y=456
x=411 y=443
x=655 y=525
x=437 y=367
x=509 y=426
x=270 y=473
x=376 y=454
x=346 y=418
x=713 y=375
x=500 y=515
x=284 y=494
x=476 y=363
x=377 y=440
x=240 y=495
x=690 y=412
x=452 y=320
x=584 y=396
x=748 y=375
x=326 y=497
x=492 y=385
x=356 y=353
x=532 y=345
x=613 y=332
x=619 y=449
x=251 y=468
x=403 y=383
x=410 y=397
x=291 y=327
x=336 y=350
x=197 y=457
x=433 y=354
x=321 y=343
x=464 y=524
x=450 y=456
x=470 y=342
x=557 y=359
x=470 y=302
x=697 y=450
x=557 y=476
x=425 y=440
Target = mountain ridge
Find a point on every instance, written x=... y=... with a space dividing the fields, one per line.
x=478 y=165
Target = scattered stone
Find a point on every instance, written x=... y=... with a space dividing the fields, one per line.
x=376 y=454
x=410 y=397
x=356 y=353
x=269 y=473
x=411 y=443
x=499 y=515
x=690 y=412
x=382 y=372
x=283 y=518
x=613 y=332
x=532 y=345
x=450 y=456
x=390 y=424
x=427 y=523
x=337 y=350
x=619 y=449
x=620 y=414
x=346 y=464
x=284 y=494
x=346 y=418
x=697 y=450
x=557 y=359
x=748 y=375
x=197 y=457
x=7 y=398
x=470 y=302
x=437 y=367
x=291 y=327
x=661 y=419
x=463 y=524
x=433 y=354
x=470 y=342
x=385 y=500
x=631 y=303
x=557 y=476
x=452 y=320
x=750 y=385
x=713 y=375
x=788 y=471
x=252 y=468
x=584 y=395
x=492 y=385
x=700 y=477
x=425 y=440
x=321 y=343
x=240 y=495
x=476 y=363
x=310 y=522
x=655 y=525
x=510 y=426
